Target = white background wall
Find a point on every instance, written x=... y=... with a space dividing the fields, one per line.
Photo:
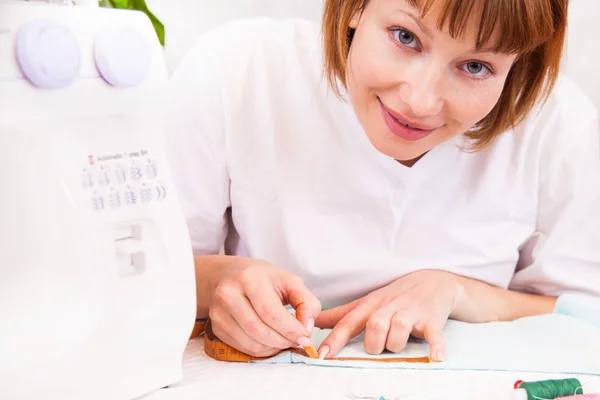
x=583 y=47
x=186 y=19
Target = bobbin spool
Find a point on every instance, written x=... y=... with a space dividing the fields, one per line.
x=568 y=388
x=521 y=394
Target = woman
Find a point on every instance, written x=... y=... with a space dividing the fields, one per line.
x=442 y=170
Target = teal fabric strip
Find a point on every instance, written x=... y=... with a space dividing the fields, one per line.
x=580 y=306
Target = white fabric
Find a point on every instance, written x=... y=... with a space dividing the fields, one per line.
x=205 y=378
x=550 y=343
x=583 y=307
x=255 y=128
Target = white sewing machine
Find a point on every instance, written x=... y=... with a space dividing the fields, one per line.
x=97 y=293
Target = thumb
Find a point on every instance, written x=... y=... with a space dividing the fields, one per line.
x=305 y=303
x=329 y=318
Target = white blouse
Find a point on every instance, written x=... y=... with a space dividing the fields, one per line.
x=268 y=161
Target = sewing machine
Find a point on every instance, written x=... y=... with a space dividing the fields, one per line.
x=97 y=293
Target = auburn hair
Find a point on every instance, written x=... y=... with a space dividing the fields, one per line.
x=534 y=30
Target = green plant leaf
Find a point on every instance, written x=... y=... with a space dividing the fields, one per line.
x=124 y=4
x=140 y=5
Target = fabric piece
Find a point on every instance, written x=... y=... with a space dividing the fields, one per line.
x=584 y=307
x=551 y=343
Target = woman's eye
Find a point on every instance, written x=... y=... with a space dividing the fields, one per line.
x=476 y=69
x=405 y=37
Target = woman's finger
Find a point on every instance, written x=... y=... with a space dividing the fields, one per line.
x=229 y=332
x=271 y=311
x=433 y=334
x=400 y=328
x=244 y=315
x=305 y=303
x=377 y=329
x=346 y=329
x=329 y=318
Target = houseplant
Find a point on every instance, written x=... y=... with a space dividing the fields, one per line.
x=139 y=5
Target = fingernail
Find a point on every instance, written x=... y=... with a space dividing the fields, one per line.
x=305 y=342
x=323 y=352
x=441 y=356
x=310 y=325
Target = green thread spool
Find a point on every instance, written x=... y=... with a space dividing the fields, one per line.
x=552 y=388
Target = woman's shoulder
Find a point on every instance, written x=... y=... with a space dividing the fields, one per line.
x=562 y=127
x=564 y=113
x=571 y=101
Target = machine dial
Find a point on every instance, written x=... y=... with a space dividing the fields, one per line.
x=123 y=57
x=48 y=54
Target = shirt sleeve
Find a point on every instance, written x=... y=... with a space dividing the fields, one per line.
x=563 y=255
x=196 y=147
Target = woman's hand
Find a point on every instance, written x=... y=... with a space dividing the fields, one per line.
x=418 y=304
x=248 y=312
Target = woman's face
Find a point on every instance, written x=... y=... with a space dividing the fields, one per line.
x=413 y=86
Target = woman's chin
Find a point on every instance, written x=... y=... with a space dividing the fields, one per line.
x=402 y=152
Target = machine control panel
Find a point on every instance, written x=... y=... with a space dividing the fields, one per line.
x=122 y=180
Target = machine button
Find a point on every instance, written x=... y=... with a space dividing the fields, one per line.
x=48 y=54
x=123 y=57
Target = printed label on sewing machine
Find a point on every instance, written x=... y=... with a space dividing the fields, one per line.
x=123 y=179
x=118 y=156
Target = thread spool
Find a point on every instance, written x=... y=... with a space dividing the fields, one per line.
x=591 y=396
x=548 y=389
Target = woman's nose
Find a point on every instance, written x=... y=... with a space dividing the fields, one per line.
x=421 y=89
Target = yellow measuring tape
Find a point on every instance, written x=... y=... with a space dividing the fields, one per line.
x=218 y=350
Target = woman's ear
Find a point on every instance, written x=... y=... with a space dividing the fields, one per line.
x=355 y=19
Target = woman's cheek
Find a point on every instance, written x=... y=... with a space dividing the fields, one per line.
x=471 y=104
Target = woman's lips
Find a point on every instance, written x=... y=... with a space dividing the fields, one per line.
x=403 y=127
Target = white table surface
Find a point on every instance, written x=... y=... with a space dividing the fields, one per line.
x=205 y=378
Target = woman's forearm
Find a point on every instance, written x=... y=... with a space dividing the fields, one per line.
x=482 y=302
x=209 y=271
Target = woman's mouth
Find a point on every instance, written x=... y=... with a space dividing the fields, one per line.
x=403 y=128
